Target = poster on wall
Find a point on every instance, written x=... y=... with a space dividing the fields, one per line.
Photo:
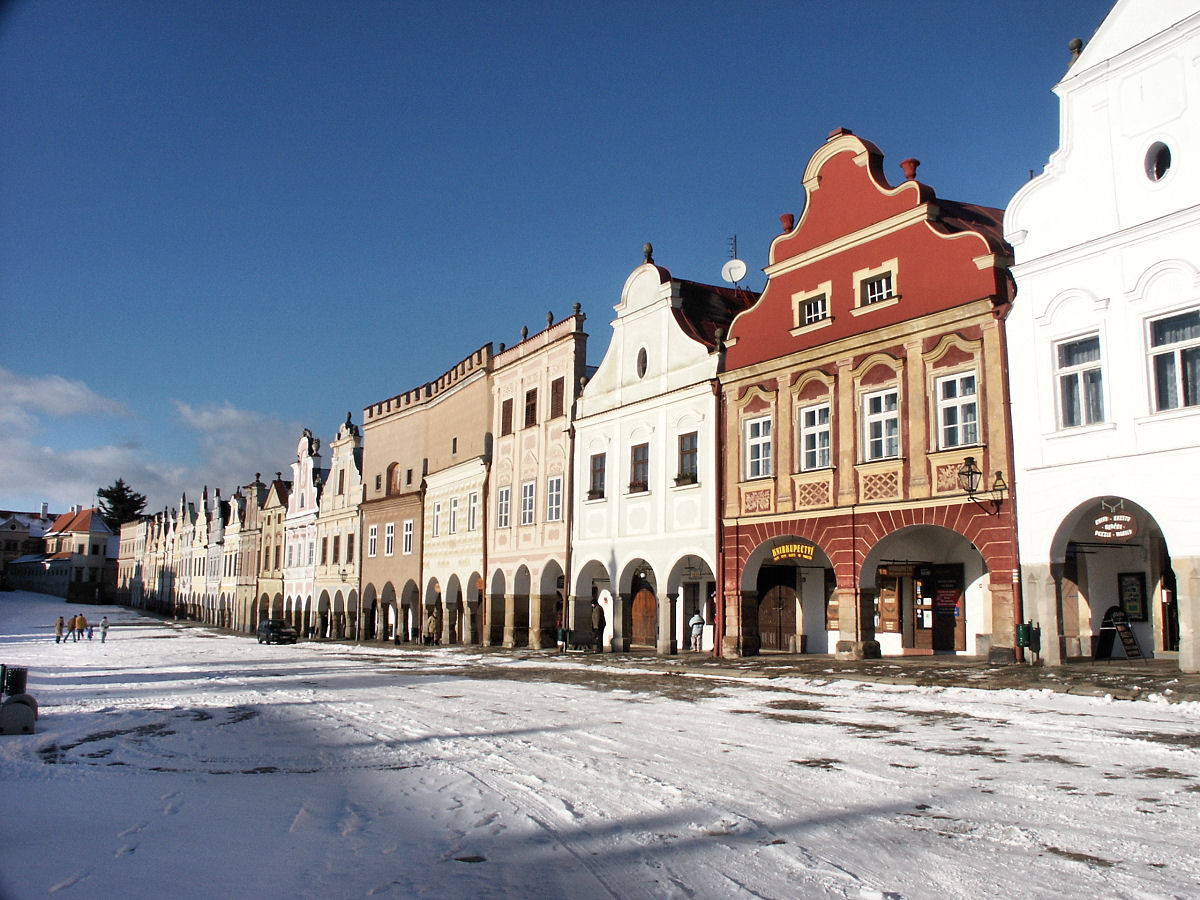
x=1131 y=590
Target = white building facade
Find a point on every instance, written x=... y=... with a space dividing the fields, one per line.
x=1104 y=339
x=645 y=507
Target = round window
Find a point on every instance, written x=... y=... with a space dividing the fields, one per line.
x=641 y=363
x=1158 y=161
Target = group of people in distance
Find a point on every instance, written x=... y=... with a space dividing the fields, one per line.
x=76 y=628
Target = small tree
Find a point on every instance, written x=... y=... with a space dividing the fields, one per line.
x=119 y=503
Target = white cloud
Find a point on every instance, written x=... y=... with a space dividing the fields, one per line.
x=231 y=445
x=236 y=444
x=23 y=396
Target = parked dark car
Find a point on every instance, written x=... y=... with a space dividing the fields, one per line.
x=276 y=631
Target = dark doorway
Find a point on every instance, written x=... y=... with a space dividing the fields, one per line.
x=777 y=607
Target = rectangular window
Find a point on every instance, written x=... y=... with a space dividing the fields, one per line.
x=877 y=289
x=454 y=515
x=372 y=538
x=379 y=482
x=406 y=546
x=453 y=446
x=350 y=548
x=527 y=502
x=341 y=481
x=814 y=309
x=531 y=408
x=290 y=555
x=881 y=424
x=688 y=458
x=557 y=397
x=814 y=437
x=958 y=414
x=502 y=500
x=437 y=519
x=596 y=484
x=639 y=468
x=408 y=477
x=337 y=558
x=554 y=499
x=389 y=539
x=1175 y=343
x=312 y=549
x=758 y=448
x=1080 y=382
x=324 y=550
x=472 y=510
x=506 y=409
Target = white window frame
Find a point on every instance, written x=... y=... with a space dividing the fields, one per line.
x=406 y=544
x=1174 y=354
x=963 y=431
x=554 y=498
x=866 y=299
x=758 y=441
x=1084 y=378
x=528 y=502
x=818 y=433
x=453 y=515
x=437 y=519
x=372 y=539
x=472 y=510
x=810 y=309
x=389 y=538
x=503 y=500
x=881 y=426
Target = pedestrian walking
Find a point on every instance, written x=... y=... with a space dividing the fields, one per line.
x=560 y=626
x=104 y=629
x=58 y=630
x=697 y=623
x=430 y=628
x=598 y=626
x=71 y=624
x=80 y=626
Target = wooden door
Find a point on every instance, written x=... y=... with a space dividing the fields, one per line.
x=777 y=617
x=644 y=627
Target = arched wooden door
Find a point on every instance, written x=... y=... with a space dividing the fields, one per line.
x=777 y=617
x=644 y=628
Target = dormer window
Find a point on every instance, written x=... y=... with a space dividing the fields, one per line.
x=876 y=288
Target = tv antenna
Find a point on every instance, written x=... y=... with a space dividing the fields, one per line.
x=734 y=270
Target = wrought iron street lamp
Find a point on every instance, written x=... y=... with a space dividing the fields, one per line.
x=970 y=479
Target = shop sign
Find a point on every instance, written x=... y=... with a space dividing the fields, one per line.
x=800 y=550
x=898 y=571
x=1112 y=523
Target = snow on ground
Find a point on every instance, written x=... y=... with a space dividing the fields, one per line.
x=175 y=761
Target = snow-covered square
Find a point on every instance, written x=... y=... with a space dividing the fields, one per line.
x=178 y=761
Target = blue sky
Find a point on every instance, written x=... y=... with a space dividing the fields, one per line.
x=222 y=222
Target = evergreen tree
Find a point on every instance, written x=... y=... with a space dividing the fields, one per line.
x=119 y=503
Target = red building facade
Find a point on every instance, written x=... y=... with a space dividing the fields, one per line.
x=865 y=425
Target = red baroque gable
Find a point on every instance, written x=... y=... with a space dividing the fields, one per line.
x=946 y=254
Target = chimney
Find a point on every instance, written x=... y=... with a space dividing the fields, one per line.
x=45 y=510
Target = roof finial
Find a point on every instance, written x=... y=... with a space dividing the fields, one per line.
x=1076 y=47
x=910 y=168
x=648 y=252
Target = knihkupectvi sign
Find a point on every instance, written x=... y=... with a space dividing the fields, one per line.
x=800 y=550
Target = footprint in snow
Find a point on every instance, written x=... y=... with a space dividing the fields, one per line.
x=132 y=829
x=173 y=807
x=124 y=851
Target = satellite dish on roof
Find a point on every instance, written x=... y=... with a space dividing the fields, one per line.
x=733 y=271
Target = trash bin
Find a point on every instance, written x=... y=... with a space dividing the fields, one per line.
x=14 y=680
x=1024 y=634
